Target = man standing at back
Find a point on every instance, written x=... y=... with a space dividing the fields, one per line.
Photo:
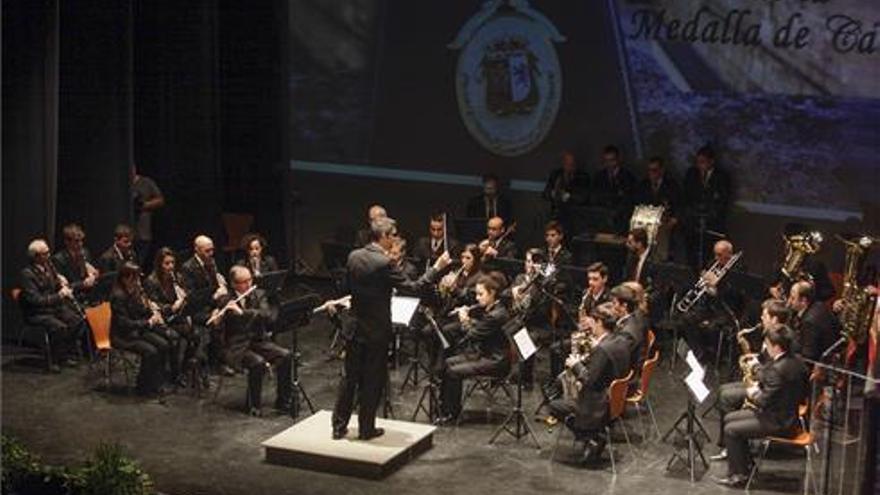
x=371 y=279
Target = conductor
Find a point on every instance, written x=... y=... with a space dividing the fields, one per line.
x=371 y=279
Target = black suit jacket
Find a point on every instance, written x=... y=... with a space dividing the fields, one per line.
x=577 y=186
x=267 y=264
x=817 y=330
x=39 y=292
x=608 y=361
x=129 y=318
x=783 y=385
x=424 y=256
x=712 y=197
x=476 y=207
x=370 y=280
x=645 y=277
x=485 y=332
x=252 y=325
x=634 y=329
x=110 y=260
x=200 y=285
x=616 y=192
x=668 y=194
x=588 y=302
x=66 y=266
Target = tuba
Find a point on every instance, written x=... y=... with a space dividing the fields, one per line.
x=858 y=303
x=797 y=248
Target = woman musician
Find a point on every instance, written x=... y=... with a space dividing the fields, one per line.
x=256 y=258
x=163 y=288
x=138 y=326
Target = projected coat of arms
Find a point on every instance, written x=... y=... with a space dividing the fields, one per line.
x=508 y=81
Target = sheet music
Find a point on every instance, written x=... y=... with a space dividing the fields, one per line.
x=403 y=308
x=524 y=343
x=695 y=383
x=695 y=365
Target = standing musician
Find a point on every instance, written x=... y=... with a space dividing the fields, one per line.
x=638 y=265
x=613 y=187
x=428 y=249
x=815 y=326
x=707 y=194
x=632 y=324
x=491 y=202
x=732 y=395
x=47 y=301
x=246 y=317
x=163 y=288
x=497 y=244
x=371 y=279
x=567 y=188
x=206 y=286
x=74 y=262
x=138 y=326
x=120 y=252
x=710 y=316
x=596 y=292
x=485 y=345
x=608 y=360
x=256 y=259
x=781 y=387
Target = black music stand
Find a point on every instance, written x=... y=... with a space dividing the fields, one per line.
x=692 y=448
x=296 y=313
x=516 y=424
x=429 y=391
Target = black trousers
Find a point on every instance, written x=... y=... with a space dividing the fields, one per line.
x=739 y=427
x=365 y=372
x=562 y=408
x=257 y=359
x=64 y=328
x=731 y=397
x=153 y=350
x=459 y=367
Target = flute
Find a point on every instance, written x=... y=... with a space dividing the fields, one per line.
x=222 y=312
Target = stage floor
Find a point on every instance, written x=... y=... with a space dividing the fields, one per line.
x=191 y=446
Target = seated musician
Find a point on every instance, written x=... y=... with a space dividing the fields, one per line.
x=122 y=250
x=587 y=400
x=532 y=306
x=485 y=345
x=632 y=324
x=497 y=244
x=246 y=317
x=74 y=261
x=814 y=324
x=638 y=265
x=780 y=389
x=256 y=258
x=706 y=321
x=428 y=249
x=732 y=395
x=596 y=292
x=400 y=261
x=137 y=327
x=205 y=287
x=164 y=289
x=47 y=302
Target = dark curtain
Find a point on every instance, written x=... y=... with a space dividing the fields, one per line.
x=95 y=120
x=30 y=129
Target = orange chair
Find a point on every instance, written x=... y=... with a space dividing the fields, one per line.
x=650 y=338
x=640 y=396
x=802 y=438
x=99 y=318
x=24 y=327
x=236 y=225
x=616 y=407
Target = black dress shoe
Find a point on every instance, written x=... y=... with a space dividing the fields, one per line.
x=733 y=480
x=369 y=435
x=339 y=433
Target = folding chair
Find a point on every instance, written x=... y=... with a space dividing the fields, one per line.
x=99 y=318
x=640 y=396
x=25 y=327
x=802 y=438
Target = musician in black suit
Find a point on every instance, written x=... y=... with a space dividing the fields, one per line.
x=364 y=235
x=401 y=262
x=246 y=317
x=74 y=261
x=371 y=279
x=567 y=188
x=816 y=327
x=608 y=360
x=491 y=202
x=707 y=193
x=561 y=258
x=780 y=389
x=659 y=188
x=46 y=302
x=256 y=259
x=135 y=327
x=122 y=250
x=614 y=186
x=205 y=286
x=632 y=324
x=485 y=347
x=638 y=265
x=596 y=292
x=498 y=246
x=428 y=249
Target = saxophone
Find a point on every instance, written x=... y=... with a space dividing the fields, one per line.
x=858 y=302
x=748 y=360
x=581 y=348
x=797 y=248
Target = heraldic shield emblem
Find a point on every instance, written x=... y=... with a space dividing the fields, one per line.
x=508 y=81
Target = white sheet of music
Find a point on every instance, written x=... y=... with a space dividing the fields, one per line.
x=694 y=381
x=524 y=343
x=403 y=308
